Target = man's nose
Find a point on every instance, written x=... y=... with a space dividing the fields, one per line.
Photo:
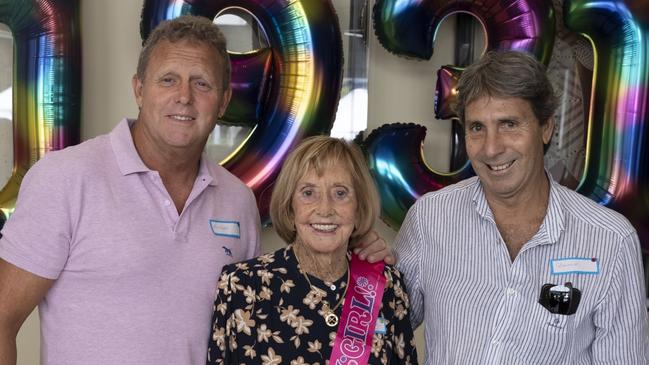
x=493 y=144
x=185 y=95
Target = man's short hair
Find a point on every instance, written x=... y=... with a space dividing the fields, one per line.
x=318 y=153
x=507 y=74
x=189 y=28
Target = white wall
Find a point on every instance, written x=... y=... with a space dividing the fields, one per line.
x=399 y=90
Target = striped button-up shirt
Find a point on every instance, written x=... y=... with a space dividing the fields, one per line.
x=479 y=307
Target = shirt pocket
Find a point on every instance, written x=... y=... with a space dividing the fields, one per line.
x=545 y=337
x=555 y=322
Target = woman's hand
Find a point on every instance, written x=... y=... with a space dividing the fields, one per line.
x=373 y=248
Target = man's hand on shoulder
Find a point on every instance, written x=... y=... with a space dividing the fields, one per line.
x=373 y=248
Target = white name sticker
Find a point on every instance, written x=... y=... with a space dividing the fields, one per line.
x=381 y=327
x=225 y=228
x=574 y=265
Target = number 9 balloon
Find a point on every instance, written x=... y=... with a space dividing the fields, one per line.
x=46 y=83
x=299 y=92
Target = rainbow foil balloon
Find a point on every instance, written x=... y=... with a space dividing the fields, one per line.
x=46 y=83
x=616 y=154
x=396 y=161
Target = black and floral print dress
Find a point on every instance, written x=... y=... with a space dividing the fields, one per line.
x=266 y=313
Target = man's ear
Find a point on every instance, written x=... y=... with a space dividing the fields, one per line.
x=547 y=130
x=137 y=89
x=225 y=101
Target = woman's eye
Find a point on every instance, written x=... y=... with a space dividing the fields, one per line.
x=308 y=194
x=341 y=193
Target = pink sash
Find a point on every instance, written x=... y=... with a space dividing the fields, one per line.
x=353 y=343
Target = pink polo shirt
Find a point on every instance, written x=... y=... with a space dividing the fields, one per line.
x=135 y=281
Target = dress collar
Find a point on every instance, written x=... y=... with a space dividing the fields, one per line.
x=294 y=265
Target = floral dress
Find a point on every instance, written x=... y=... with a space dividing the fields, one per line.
x=266 y=313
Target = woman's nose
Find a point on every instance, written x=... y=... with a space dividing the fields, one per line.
x=325 y=206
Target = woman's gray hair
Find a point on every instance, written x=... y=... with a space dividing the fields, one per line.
x=190 y=28
x=317 y=153
x=507 y=74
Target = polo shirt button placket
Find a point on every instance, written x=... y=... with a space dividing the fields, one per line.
x=180 y=233
x=172 y=217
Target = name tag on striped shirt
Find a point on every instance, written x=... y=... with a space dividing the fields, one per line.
x=225 y=228
x=574 y=265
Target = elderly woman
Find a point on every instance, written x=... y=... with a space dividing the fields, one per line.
x=298 y=305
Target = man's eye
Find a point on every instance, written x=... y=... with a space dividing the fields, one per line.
x=475 y=127
x=509 y=123
x=204 y=85
x=166 y=81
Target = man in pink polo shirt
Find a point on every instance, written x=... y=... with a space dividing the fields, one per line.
x=121 y=239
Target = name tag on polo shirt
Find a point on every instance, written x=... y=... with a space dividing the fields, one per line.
x=574 y=265
x=225 y=228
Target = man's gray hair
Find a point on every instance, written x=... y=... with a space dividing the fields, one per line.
x=507 y=74
x=190 y=28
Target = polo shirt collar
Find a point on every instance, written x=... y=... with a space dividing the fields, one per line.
x=554 y=222
x=208 y=171
x=129 y=160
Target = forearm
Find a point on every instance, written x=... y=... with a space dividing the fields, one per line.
x=7 y=347
x=20 y=292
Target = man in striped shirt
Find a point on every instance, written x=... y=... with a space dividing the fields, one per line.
x=477 y=255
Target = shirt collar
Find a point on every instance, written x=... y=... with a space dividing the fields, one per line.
x=129 y=160
x=479 y=200
x=553 y=223
x=207 y=171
